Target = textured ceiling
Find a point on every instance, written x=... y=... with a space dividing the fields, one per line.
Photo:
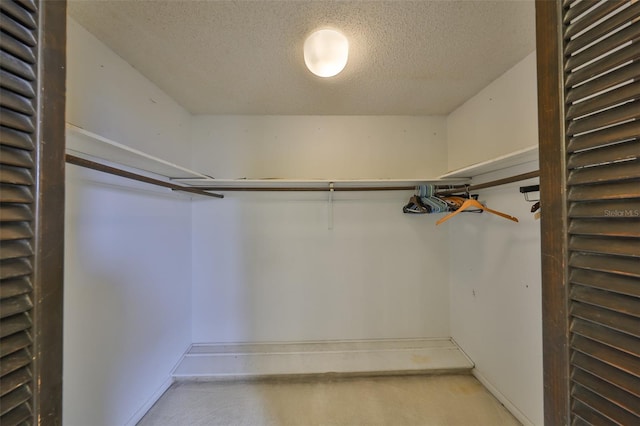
x=245 y=57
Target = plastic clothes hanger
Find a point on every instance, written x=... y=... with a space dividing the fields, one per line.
x=474 y=203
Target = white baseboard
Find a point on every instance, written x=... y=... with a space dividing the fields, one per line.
x=502 y=398
x=138 y=415
x=368 y=357
x=166 y=384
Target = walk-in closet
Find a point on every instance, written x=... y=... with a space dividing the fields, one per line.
x=264 y=245
x=316 y=268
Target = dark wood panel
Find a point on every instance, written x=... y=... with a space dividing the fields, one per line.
x=598 y=245
x=553 y=222
x=604 y=82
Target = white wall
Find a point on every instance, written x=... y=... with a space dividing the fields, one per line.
x=495 y=264
x=499 y=120
x=267 y=268
x=127 y=317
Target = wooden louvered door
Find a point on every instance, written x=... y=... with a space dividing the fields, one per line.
x=589 y=112
x=32 y=55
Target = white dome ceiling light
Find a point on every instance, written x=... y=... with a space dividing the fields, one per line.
x=326 y=52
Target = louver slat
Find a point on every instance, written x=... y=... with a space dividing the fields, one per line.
x=16 y=66
x=17 y=49
x=17 y=30
x=603 y=65
x=623 y=132
x=16 y=102
x=14 y=399
x=16 y=194
x=627 y=382
x=603 y=406
x=12 y=363
x=621 y=18
x=605 y=173
x=15 y=305
x=14 y=324
x=615 y=246
x=629 y=34
x=615 y=191
x=15 y=212
x=607 y=100
x=607 y=118
x=620 y=341
x=16 y=84
x=15 y=231
x=586 y=21
x=621 y=227
x=14 y=343
x=587 y=417
x=578 y=10
x=612 y=264
x=14 y=138
x=18 y=23
x=617 y=209
x=604 y=82
x=14 y=268
x=615 y=302
x=613 y=320
x=16 y=176
x=14 y=380
x=620 y=360
x=607 y=391
x=609 y=154
x=614 y=283
x=19 y=14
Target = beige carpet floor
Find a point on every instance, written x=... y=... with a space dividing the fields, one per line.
x=458 y=400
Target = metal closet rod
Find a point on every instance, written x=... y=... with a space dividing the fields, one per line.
x=72 y=159
x=456 y=189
